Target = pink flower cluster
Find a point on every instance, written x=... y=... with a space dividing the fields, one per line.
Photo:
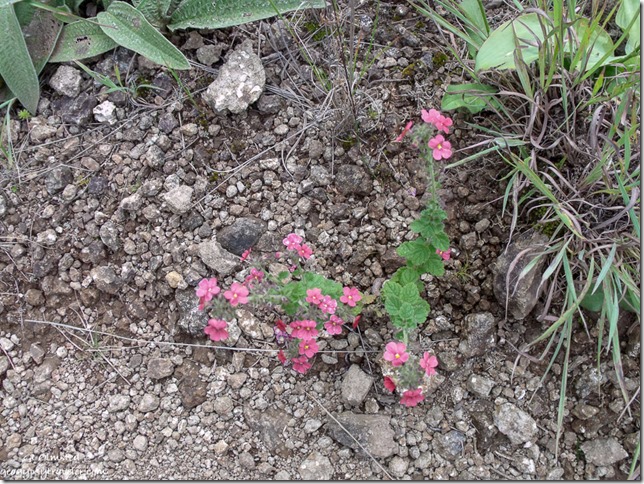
x=396 y=353
x=441 y=148
x=294 y=242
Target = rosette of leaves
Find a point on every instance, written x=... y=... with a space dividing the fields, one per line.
x=33 y=33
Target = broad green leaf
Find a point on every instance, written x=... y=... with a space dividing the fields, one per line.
x=311 y=280
x=4 y=3
x=593 y=302
x=41 y=36
x=433 y=265
x=474 y=97
x=80 y=40
x=16 y=67
x=406 y=275
x=206 y=14
x=155 y=11
x=24 y=11
x=627 y=11
x=416 y=251
x=129 y=28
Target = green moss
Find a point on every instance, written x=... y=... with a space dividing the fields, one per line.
x=439 y=59
x=214 y=178
x=237 y=146
x=348 y=143
x=318 y=33
x=409 y=71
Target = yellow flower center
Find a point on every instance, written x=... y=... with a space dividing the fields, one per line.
x=439 y=146
x=397 y=355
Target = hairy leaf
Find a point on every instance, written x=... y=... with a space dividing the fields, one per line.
x=16 y=67
x=473 y=97
x=155 y=11
x=206 y=14
x=404 y=305
x=80 y=40
x=129 y=28
x=41 y=36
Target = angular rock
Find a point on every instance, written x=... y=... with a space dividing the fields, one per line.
x=241 y=235
x=355 y=386
x=77 y=110
x=132 y=203
x=481 y=336
x=66 y=81
x=116 y=403
x=372 y=431
x=97 y=185
x=487 y=434
x=106 y=279
x=105 y=113
x=192 y=388
x=513 y=422
x=240 y=81
x=179 y=199
x=316 y=467
x=140 y=443
x=523 y=294
x=450 y=445
x=269 y=424
x=219 y=260
x=398 y=466
x=160 y=368
x=603 y=452
x=480 y=385
x=4 y=365
x=249 y=324
x=110 y=235
x=58 y=178
x=352 y=180
x=148 y=403
x=191 y=320
x=209 y=54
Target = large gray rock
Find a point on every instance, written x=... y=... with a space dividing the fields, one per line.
x=241 y=235
x=603 y=452
x=481 y=335
x=76 y=110
x=513 y=422
x=316 y=467
x=355 y=386
x=66 y=81
x=160 y=368
x=372 y=431
x=219 y=260
x=240 y=82
x=523 y=294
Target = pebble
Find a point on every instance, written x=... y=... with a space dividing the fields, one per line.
x=480 y=385
x=398 y=466
x=516 y=424
x=355 y=386
x=140 y=443
x=603 y=452
x=160 y=368
x=117 y=403
x=149 y=403
x=316 y=467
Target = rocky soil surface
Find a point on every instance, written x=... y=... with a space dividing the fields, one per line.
x=119 y=203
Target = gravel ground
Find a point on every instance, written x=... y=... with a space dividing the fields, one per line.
x=117 y=207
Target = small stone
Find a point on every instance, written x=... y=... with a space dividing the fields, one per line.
x=246 y=460
x=76 y=110
x=66 y=81
x=481 y=336
x=175 y=280
x=237 y=380
x=209 y=54
x=398 y=466
x=355 y=386
x=14 y=441
x=450 y=445
x=282 y=476
x=179 y=199
x=140 y=443
x=215 y=257
x=115 y=455
x=37 y=353
x=6 y=344
x=584 y=411
x=4 y=365
x=47 y=238
x=160 y=368
x=482 y=225
x=117 y=403
x=105 y=113
x=241 y=235
x=516 y=424
x=148 y=403
x=223 y=406
x=221 y=447
x=109 y=235
x=316 y=467
x=312 y=425
x=480 y=385
x=603 y=452
x=133 y=203
x=106 y=279
x=58 y=178
x=374 y=432
x=249 y=324
x=352 y=180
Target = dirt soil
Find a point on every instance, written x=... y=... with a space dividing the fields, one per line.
x=101 y=229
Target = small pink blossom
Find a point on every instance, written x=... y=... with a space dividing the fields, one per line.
x=334 y=325
x=237 y=294
x=304 y=329
x=281 y=356
x=308 y=347
x=445 y=254
x=254 y=276
x=430 y=116
x=245 y=255
x=328 y=305
x=429 y=363
x=292 y=241
x=217 y=329
x=351 y=296
x=206 y=290
x=304 y=251
x=411 y=398
x=404 y=132
x=389 y=384
x=441 y=149
x=301 y=364
x=396 y=353
x=314 y=296
x=443 y=123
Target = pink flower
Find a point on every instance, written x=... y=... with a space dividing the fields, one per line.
x=308 y=347
x=334 y=325
x=281 y=356
x=411 y=398
x=328 y=305
x=356 y=321
x=304 y=329
x=238 y=294
x=429 y=363
x=445 y=254
x=430 y=116
x=441 y=149
x=304 y=251
x=254 y=276
x=217 y=329
x=279 y=324
x=404 y=132
x=301 y=364
x=206 y=290
x=314 y=296
x=443 y=123
x=245 y=255
x=292 y=241
x=389 y=384
x=351 y=296
x=396 y=353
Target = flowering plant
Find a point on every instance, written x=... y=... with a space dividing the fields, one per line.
x=315 y=305
x=426 y=254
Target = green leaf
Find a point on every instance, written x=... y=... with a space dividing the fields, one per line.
x=312 y=280
x=80 y=40
x=129 y=28
x=593 y=302
x=627 y=11
x=16 y=67
x=41 y=36
x=4 y=3
x=206 y=14
x=155 y=11
x=422 y=256
x=474 y=97
x=406 y=275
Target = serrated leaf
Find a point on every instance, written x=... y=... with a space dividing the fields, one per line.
x=440 y=241
x=206 y=14
x=312 y=280
x=16 y=67
x=433 y=265
x=41 y=36
x=416 y=251
x=129 y=28
x=80 y=40
x=406 y=275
